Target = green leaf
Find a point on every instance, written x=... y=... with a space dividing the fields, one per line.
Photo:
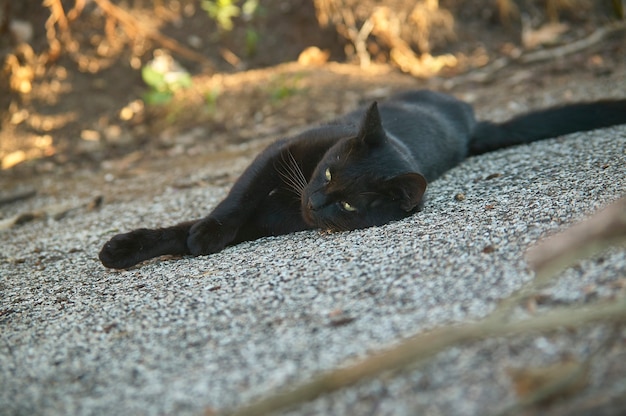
x=249 y=8
x=153 y=78
x=252 y=40
x=154 y=97
x=222 y=11
x=177 y=81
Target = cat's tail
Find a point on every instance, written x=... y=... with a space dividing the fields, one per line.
x=125 y=250
x=544 y=124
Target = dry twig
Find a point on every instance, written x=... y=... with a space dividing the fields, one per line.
x=604 y=229
x=576 y=46
x=420 y=347
x=131 y=25
x=134 y=26
x=487 y=73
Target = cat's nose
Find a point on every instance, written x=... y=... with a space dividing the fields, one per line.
x=316 y=201
x=313 y=203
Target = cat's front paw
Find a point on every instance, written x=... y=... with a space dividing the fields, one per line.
x=123 y=250
x=209 y=236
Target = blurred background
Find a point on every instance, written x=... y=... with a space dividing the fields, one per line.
x=84 y=82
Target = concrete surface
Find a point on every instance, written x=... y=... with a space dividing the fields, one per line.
x=178 y=337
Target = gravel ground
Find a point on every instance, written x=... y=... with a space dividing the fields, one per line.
x=183 y=335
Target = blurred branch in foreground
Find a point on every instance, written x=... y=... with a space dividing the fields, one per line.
x=602 y=230
x=417 y=349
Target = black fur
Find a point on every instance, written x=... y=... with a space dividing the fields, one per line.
x=367 y=168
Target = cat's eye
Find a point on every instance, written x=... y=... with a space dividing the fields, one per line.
x=328 y=175
x=347 y=207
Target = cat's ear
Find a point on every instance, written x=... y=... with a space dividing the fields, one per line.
x=407 y=188
x=371 y=131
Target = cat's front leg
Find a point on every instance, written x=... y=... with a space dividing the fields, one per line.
x=125 y=250
x=220 y=228
x=210 y=235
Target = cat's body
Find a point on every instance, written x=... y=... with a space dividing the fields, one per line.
x=367 y=168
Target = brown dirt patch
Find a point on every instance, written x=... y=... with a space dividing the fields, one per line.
x=71 y=120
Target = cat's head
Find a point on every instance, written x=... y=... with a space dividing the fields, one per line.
x=362 y=181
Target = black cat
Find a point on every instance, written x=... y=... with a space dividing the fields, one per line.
x=367 y=168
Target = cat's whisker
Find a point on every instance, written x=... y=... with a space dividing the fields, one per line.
x=297 y=184
x=290 y=182
x=298 y=172
x=291 y=174
x=283 y=170
x=297 y=175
